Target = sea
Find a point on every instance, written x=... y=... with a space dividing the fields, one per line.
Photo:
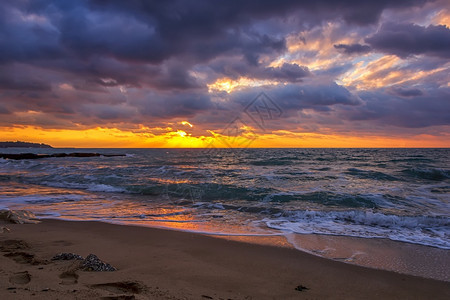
x=393 y=194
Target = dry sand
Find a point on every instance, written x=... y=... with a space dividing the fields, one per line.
x=164 y=264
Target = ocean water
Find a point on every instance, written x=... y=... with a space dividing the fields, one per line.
x=396 y=194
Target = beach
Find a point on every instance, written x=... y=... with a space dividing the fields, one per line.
x=165 y=264
x=229 y=150
x=233 y=224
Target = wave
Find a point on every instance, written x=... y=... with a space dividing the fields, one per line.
x=195 y=189
x=425 y=230
x=441 y=190
x=214 y=191
x=92 y=187
x=42 y=199
x=369 y=174
x=435 y=174
x=327 y=198
x=175 y=191
x=273 y=162
x=411 y=159
x=322 y=169
x=272 y=211
x=4 y=177
x=105 y=188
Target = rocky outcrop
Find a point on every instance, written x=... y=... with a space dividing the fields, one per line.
x=36 y=156
x=18 y=216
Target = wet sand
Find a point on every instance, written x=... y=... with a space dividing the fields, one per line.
x=164 y=264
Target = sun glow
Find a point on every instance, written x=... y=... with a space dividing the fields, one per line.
x=229 y=85
x=181 y=133
x=145 y=137
x=186 y=123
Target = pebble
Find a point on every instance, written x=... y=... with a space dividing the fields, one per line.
x=67 y=256
x=93 y=263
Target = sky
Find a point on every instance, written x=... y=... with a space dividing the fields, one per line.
x=206 y=73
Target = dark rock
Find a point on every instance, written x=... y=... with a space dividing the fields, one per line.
x=36 y=156
x=67 y=256
x=22 y=156
x=18 y=216
x=93 y=263
x=301 y=288
x=76 y=154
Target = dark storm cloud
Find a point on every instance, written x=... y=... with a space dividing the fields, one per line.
x=234 y=69
x=163 y=29
x=293 y=97
x=107 y=112
x=23 y=84
x=318 y=96
x=166 y=106
x=193 y=15
x=3 y=110
x=334 y=70
x=404 y=40
x=153 y=31
x=93 y=62
x=407 y=92
x=429 y=109
x=288 y=72
x=25 y=41
x=352 y=48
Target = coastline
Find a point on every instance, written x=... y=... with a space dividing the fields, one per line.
x=167 y=264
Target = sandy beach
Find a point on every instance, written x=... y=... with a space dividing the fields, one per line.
x=164 y=264
x=224 y=150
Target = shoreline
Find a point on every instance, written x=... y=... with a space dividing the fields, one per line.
x=169 y=264
x=376 y=253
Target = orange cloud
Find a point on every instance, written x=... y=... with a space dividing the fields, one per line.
x=442 y=17
x=115 y=138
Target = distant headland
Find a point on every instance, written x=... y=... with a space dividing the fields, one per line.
x=19 y=144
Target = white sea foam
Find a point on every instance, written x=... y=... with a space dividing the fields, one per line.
x=92 y=187
x=431 y=231
x=34 y=199
x=105 y=188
